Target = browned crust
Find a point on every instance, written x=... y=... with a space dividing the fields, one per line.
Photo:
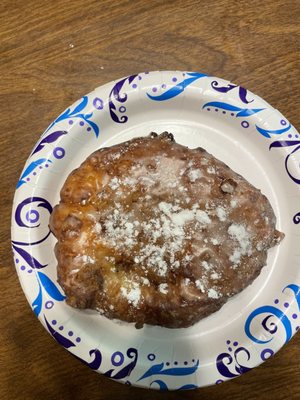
x=178 y=189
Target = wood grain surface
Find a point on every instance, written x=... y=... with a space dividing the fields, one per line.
x=52 y=53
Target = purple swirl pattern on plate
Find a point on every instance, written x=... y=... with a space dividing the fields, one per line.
x=51 y=138
x=159 y=369
x=95 y=363
x=295 y=144
x=118 y=96
x=18 y=213
x=127 y=369
x=30 y=222
x=28 y=258
x=32 y=217
x=225 y=89
x=227 y=362
x=296 y=218
x=62 y=340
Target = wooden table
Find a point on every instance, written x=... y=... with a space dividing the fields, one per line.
x=52 y=53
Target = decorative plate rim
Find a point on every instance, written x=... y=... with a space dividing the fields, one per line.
x=108 y=104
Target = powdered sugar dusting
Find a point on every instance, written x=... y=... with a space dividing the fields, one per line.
x=133 y=294
x=163 y=288
x=200 y=285
x=97 y=228
x=233 y=203
x=155 y=236
x=84 y=259
x=221 y=213
x=159 y=232
x=194 y=174
x=114 y=183
x=165 y=233
x=202 y=217
x=145 y=281
x=215 y=276
x=243 y=237
x=211 y=170
x=213 y=294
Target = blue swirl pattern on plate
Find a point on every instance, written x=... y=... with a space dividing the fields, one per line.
x=268 y=132
x=274 y=311
x=158 y=369
x=178 y=88
x=241 y=112
x=31 y=167
x=44 y=282
x=77 y=112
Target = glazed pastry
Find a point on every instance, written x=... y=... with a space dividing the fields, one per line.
x=153 y=232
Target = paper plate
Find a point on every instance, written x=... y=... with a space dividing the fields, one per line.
x=237 y=127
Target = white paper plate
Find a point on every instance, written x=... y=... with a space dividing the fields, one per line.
x=238 y=128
